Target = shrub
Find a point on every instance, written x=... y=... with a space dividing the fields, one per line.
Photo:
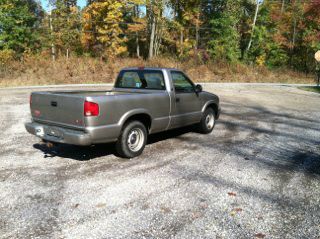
x=6 y=57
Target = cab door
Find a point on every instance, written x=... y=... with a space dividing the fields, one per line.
x=187 y=104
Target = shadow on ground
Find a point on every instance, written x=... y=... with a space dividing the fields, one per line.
x=101 y=150
x=273 y=144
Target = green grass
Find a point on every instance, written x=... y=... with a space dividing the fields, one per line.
x=311 y=88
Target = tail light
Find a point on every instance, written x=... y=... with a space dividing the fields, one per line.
x=30 y=99
x=91 y=109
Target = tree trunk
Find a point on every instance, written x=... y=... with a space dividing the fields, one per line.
x=294 y=32
x=293 y=40
x=152 y=37
x=282 y=6
x=197 y=36
x=198 y=26
x=138 y=46
x=157 y=40
x=154 y=13
x=181 y=42
x=53 y=48
x=253 y=25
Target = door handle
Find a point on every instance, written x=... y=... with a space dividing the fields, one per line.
x=54 y=103
x=177 y=99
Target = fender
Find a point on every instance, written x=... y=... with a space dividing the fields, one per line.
x=208 y=103
x=130 y=113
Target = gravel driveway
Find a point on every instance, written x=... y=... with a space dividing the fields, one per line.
x=256 y=176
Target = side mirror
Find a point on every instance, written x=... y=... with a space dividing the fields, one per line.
x=198 y=88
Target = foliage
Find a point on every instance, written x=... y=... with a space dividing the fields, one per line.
x=266 y=49
x=185 y=27
x=6 y=56
x=101 y=28
x=265 y=33
x=65 y=33
x=136 y=29
x=226 y=39
x=18 y=22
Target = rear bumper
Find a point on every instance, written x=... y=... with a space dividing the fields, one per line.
x=59 y=134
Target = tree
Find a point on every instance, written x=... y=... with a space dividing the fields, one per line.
x=187 y=22
x=136 y=28
x=254 y=23
x=290 y=26
x=102 y=33
x=64 y=27
x=225 y=43
x=266 y=48
x=310 y=39
x=19 y=20
x=156 y=21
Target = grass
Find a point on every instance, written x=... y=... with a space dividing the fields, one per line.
x=41 y=70
x=315 y=89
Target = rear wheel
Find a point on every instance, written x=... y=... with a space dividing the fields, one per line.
x=132 y=140
x=208 y=121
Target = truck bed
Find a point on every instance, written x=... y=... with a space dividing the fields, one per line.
x=65 y=108
x=96 y=93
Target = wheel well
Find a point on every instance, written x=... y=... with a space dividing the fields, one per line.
x=143 y=118
x=214 y=107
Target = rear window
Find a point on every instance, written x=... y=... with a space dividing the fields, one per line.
x=143 y=79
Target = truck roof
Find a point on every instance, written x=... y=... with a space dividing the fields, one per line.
x=150 y=68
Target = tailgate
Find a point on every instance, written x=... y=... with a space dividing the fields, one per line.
x=58 y=108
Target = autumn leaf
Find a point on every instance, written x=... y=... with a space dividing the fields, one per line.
x=259 y=235
x=238 y=209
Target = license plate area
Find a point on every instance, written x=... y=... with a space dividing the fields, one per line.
x=54 y=132
x=39 y=131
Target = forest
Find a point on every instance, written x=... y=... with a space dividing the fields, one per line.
x=237 y=35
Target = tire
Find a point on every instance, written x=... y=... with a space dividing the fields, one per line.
x=132 y=140
x=207 y=122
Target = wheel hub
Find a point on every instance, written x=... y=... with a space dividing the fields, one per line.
x=135 y=139
x=209 y=121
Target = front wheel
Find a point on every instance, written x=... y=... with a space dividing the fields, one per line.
x=132 y=140
x=208 y=121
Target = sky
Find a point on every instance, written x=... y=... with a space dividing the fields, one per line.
x=44 y=3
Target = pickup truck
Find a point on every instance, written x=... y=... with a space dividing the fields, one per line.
x=143 y=101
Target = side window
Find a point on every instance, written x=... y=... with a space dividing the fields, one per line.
x=130 y=79
x=136 y=79
x=181 y=83
x=154 y=80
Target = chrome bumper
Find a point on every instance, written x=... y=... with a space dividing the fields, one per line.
x=59 y=134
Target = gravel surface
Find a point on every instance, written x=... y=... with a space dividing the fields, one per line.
x=256 y=176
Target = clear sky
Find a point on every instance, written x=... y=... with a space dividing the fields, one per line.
x=44 y=3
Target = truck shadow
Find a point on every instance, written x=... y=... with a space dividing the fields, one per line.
x=101 y=150
x=174 y=133
x=76 y=152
